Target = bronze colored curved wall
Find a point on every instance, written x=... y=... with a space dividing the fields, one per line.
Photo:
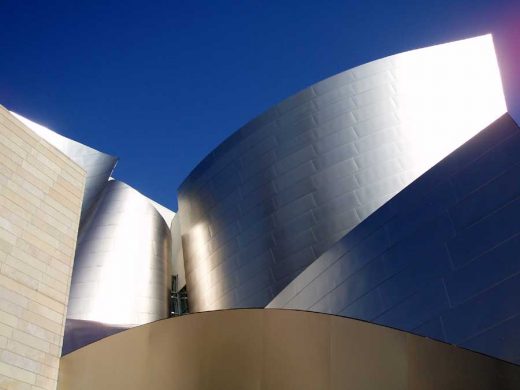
x=277 y=349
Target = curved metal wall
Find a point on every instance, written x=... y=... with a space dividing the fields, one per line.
x=441 y=259
x=121 y=274
x=177 y=253
x=277 y=349
x=121 y=270
x=276 y=194
x=98 y=165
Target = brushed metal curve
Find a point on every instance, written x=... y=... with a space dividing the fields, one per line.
x=281 y=190
x=437 y=256
x=98 y=165
x=177 y=253
x=121 y=271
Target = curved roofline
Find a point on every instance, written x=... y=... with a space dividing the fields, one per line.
x=268 y=114
x=40 y=129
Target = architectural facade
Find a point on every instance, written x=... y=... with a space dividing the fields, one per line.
x=387 y=193
x=437 y=256
x=278 y=349
x=41 y=193
x=97 y=165
x=122 y=262
x=280 y=191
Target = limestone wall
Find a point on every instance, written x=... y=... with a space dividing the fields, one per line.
x=40 y=202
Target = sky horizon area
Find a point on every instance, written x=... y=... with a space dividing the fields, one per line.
x=161 y=84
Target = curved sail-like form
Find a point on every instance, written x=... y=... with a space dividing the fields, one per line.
x=440 y=259
x=121 y=274
x=98 y=165
x=121 y=270
x=276 y=194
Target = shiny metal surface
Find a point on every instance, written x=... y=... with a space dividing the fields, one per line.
x=121 y=271
x=98 y=165
x=276 y=194
x=79 y=333
x=441 y=259
x=177 y=253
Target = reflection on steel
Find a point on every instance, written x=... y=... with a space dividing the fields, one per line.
x=79 y=333
x=121 y=271
x=276 y=194
x=177 y=255
x=441 y=259
x=97 y=165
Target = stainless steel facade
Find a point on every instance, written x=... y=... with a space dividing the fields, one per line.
x=98 y=165
x=121 y=275
x=298 y=183
x=121 y=270
x=177 y=253
x=441 y=259
x=281 y=190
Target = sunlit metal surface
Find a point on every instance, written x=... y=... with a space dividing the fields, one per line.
x=121 y=271
x=98 y=165
x=165 y=212
x=440 y=259
x=276 y=194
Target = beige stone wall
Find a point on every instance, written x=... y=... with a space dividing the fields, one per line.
x=41 y=192
x=260 y=349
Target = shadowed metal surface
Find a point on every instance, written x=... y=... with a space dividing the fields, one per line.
x=98 y=165
x=441 y=259
x=121 y=270
x=277 y=349
x=276 y=194
x=79 y=333
x=177 y=253
x=165 y=212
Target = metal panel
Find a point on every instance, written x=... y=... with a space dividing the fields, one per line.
x=177 y=258
x=98 y=165
x=367 y=132
x=440 y=259
x=277 y=349
x=121 y=271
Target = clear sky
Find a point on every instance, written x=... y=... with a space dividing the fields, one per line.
x=161 y=83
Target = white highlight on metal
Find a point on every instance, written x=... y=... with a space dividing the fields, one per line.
x=445 y=95
x=121 y=271
x=98 y=165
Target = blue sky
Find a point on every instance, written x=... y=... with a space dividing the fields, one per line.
x=161 y=83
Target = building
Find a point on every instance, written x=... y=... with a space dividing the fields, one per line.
x=437 y=256
x=280 y=191
x=387 y=193
x=41 y=193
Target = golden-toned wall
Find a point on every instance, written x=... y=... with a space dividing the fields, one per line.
x=41 y=191
x=277 y=349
